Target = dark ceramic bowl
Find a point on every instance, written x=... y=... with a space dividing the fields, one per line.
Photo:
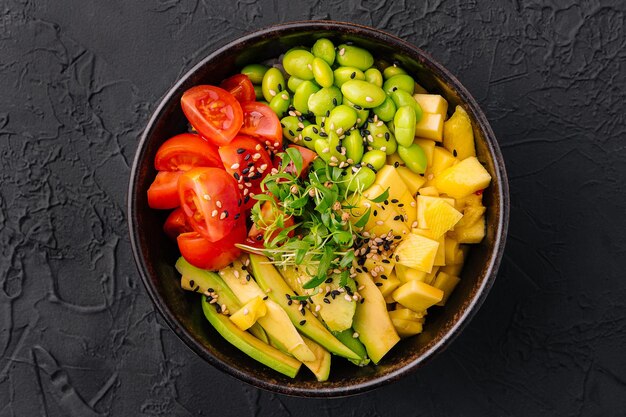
x=155 y=254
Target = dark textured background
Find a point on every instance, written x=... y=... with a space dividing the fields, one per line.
x=77 y=82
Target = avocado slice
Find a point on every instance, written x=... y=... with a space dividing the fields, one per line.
x=372 y=322
x=321 y=365
x=270 y=280
x=249 y=344
x=200 y=280
x=354 y=344
x=276 y=322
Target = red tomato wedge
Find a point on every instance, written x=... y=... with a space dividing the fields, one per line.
x=211 y=201
x=176 y=223
x=163 y=192
x=248 y=162
x=205 y=254
x=185 y=151
x=268 y=216
x=307 y=157
x=260 y=121
x=213 y=112
x=240 y=86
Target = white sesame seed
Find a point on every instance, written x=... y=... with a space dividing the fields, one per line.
x=218 y=203
x=301 y=125
x=339 y=131
x=347 y=297
x=379 y=135
x=318 y=307
x=236 y=274
x=413 y=225
x=326 y=150
x=256 y=156
x=355 y=335
x=334 y=159
x=247 y=184
x=292 y=113
x=361 y=287
x=284 y=96
x=214 y=213
x=245 y=192
x=412 y=203
x=206 y=197
x=379 y=123
x=380 y=222
x=272 y=93
x=355 y=297
x=276 y=144
x=309 y=66
x=430 y=177
x=369 y=99
x=258 y=147
x=383 y=148
x=223 y=215
x=374 y=273
x=342 y=51
x=245 y=311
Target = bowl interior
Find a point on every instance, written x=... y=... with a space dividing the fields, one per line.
x=155 y=254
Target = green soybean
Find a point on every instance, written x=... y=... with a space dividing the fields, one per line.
x=310 y=135
x=399 y=82
x=330 y=149
x=299 y=62
x=322 y=72
x=258 y=92
x=272 y=84
x=364 y=94
x=341 y=117
x=404 y=126
x=301 y=97
x=324 y=100
x=374 y=76
x=292 y=127
x=280 y=103
x=360 y=180
x=361 y=113
x=374 y=159
x=385 y=111
x=353 y=56
x=380 y=138
x=391 y=71
x=353 y=142
x=414 y=158
x=402 y=98
x=323 y=48
x=343 y=74
x=255 y=72
x=293 y=83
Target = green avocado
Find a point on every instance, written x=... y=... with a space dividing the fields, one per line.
x=321 y=365
x=270 y=280
x=354 y=344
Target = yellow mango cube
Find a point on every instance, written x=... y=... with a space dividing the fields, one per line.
x=447 y=284
x=442 y=159
x=393 y=224
x=441 y=217
x=388 y=178
x=430 y=126
x=246 y=316
x=417 y=252
x=407 y=314
x=406 y=206
x=407 y=328
x=471 y=214
x=412 y=180
x=429 y=191
x=470 y=234
x=417 y=295
x=458 y=135
x=452 y=269
x=463 y=179
x=386 y=283
x=451 y=247
x=432 y=103
x=431 y=277
x=440 y=258
x=423 y=202
x=382 y=266
x=428 y=146
x=404 y=273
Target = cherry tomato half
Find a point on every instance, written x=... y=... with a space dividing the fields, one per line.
x=185 y=151
x=268 y=216
x=307 y=157
x=163 y=192
x=176 y=223
x=211 y=201
x=260 y=121
x=213 y=112
x=205 y=254
x=248 y=162
x=240 y=86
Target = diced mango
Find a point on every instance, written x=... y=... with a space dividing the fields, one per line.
x=471 y=234
x=447 y=284
x=406 y=206
x=442 y=159
x=406 y=328
x=246 y=316
x=388 y=178
x=379 y=266
x=432 y=103
x=395 y=160
x=440 y=258
x=458 y=135
x=464 y=178
x=429 y=191
x=441 y=217
x=412 y=180
x=423 y=202
x=393 y=224
x=407 y=314
x=472 y=200
x=417 y=252
x=451 y=246
x=386 y=283
x=471 y=214
x=429 y=278
x=428 y=146
x=454 y=269
x=404 y=273
x=417 y=295
x=430 y=126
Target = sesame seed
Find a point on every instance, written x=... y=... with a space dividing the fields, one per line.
x=355 y=335
x=284 y=96
x=245 y=311
x=218 y=203
x=302 y=323
x=412 y=203
x=342 y=51
x=214 y=213
x=318 y=307
x=223 y=215
x=272 y=92
x=369 y=99
x=234 y=166
x=413 y=225
x=380 y=222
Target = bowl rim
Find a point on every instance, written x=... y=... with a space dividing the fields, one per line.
x=462 y=319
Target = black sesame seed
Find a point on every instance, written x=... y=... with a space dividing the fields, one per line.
x=308 y=139
x=365 y=269
x=192 y=283
x=386 y=202
x=328 y=281
x=454 y=152
x=370 y=166
x=353 y=75
x=397 y=258
x=248 y=277
x=225 y=214
x=375 y=213
x=247 y=157
x=210 y=289
x=323 y=124
x=237 y=176
x=394 y=88
x=315 y=130
x=401 y=205
x=218 y=307
x=266 y=297
x=387 y=139
x=282 y=125
x=359 y=270
x=338 y=147
x=259 y=238
x=383 y=276
x=240 y=151
x=362 y=300
x=291 y=133
x=328 y=111
x=356 y=106
x=237 y=216
x=396 y=164
x=324 y=134
x=280 y=87
x=208 y=298
x=303 y=311
x=326 y=300
x=396 y=218
x=379 y=284
x=290 y=302
x=245 y=171
x=303 y=322
x=246 y=199
x=386 y=261
x=334 y=103
x=394 y=200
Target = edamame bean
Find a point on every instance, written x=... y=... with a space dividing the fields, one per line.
x=280 y=103
x=379 y=137
x=323 y=48
x=402 y=98
x=343 y=74
x=364 y=94
x=353 y=142
x=302 y=94
x=361 y=113
x=324 y=100
x=353 y=56
x=293 y=83
x=331 y=150
x=341 y=117
x=391 y=71
x=374 y=159
x=299 y=62
x=414 y=158
x=385 y=111
x=360 y=180
x=255 y=72
x=322 y=72
x=272 y=84
x=310 y=136
x=404 y=126
x=399 y=82
x=293 y=127
x=258 y=92
x=374 y=76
